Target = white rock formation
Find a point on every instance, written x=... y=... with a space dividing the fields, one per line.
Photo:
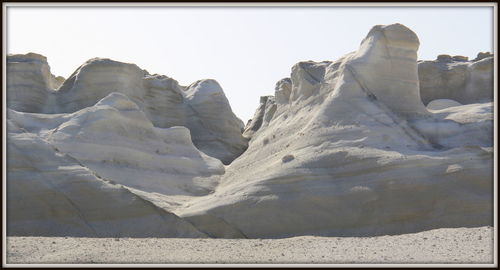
x=262 y=116
x=161 y=98
x=457 y=78
x=214 y=128
x=283 y=90
x=116 y=140
x=29 y=82
x=355 y=152
x=343 y=148
x=459 y=126
x=51 y=193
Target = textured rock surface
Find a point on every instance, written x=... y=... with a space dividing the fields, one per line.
x=116 y=140
x=384 y=66
x=262 y=116
x=65 y=171
x=213 y=129
x=344 y=148
x=161 y=98
x=50 y=193
x=355 y=152
x=29 y=82
x=457 y=78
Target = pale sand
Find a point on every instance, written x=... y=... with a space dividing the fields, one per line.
x=460 y=245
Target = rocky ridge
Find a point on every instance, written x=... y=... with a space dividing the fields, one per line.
x=162 y=99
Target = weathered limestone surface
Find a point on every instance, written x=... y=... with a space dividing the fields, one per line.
x=370 y=144
x=161 y=98
x=355 y=152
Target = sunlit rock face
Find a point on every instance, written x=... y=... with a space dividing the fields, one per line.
x=162 y=99
x=51 y=193
x=214 y=128
x=353 y=151
x=457 y=78
x=348 y=147
x=106 y=138
x=81 y=174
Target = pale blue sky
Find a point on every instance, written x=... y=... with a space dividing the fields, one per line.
x=245 y=49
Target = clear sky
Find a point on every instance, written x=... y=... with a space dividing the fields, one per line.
x=245 y=49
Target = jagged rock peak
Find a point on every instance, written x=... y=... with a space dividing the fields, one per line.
x=30 y=83
x=385 y=66
x=282 y=90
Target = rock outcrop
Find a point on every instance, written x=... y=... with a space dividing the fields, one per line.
x=116 y=140
x=354 y=152
x=457 y=78
x=50 y=193
x=30 y=82
x=343 y=148
x=161 y=98
x=209 y=119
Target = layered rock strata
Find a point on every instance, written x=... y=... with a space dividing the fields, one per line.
x=51 y=193
x=457 y=78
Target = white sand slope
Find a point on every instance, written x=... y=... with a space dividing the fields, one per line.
x=457 y=246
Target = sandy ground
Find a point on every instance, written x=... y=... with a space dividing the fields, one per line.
x=461 y=245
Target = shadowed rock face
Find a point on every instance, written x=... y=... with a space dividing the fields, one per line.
x=344 y=148
x=457 y=78
x=29 y=82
